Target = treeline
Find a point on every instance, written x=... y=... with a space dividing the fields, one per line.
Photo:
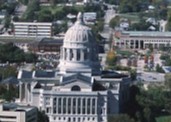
x=12 y=54
x=49 y=14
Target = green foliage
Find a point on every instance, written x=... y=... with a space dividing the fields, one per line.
x=25 y=2
x=164 y=56
x=8 y=92
x=114 y=22
x=152 y=98
x=45 y=15
x=168 y=26
x=145 y=105
x=8 y=71
x=10 y=53
x=7 y=21
x=111 y=58
x=168 y=80
x=32 y=8
x=119 y=118
x=42 y=117
x=163 y=119
x=115 y=2
x=131 y=5
x=133 y=74
x=159 y=69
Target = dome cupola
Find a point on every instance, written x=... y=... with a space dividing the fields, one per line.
x=79 y=51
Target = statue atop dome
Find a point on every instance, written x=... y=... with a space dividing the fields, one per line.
x=80 y=18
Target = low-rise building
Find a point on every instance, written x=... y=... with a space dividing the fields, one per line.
x=142 y=39
x=46 y=45
x=32 y=29
x=11 y=112
x=89 y=17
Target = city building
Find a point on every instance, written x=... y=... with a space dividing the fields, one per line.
x=32 y=29
x=78 y=90
x=89 y=17
x=46 y=45
x=141 y=39
x=11 y=112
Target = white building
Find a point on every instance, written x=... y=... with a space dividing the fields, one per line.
x=89 y=17
x=77 y=91
x=32 y=29
x=142 y=39
x=11 y=112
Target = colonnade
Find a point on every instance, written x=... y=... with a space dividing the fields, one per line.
x=74 y=105
x=142 y=43
x=74 y=54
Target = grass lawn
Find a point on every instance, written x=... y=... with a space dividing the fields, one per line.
x=124 y=53
x=163 y=119
x=131 y=16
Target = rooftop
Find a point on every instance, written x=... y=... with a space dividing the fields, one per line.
x=147 y=33
x=15 y=107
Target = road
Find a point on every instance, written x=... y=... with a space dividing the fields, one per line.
x=107 y=31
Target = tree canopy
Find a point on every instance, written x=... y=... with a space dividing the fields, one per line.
x=12 y=54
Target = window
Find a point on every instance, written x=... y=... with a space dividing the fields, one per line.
x=75 y=88
x=78 y=55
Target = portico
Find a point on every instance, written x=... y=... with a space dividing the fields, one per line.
x=142 y=40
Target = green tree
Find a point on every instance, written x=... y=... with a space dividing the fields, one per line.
x=168 y=80
x=45 y=15
x=148 y=116
x=133 y=74
x=7 y=21
x=10 y=53
x=111 y=58
x=119 y=118
x=10 y=92
x=114 y=22
x=42 y=117
x=168 y=25
x=159 y=69
x=32 y=8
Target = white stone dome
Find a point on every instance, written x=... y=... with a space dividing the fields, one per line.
x=78 y=32
x=79 y=50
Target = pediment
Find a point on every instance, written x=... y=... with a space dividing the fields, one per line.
x=76 y=80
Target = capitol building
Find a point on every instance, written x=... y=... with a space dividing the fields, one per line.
x=78 y=90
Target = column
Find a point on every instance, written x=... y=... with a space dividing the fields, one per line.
x=75 y=54
x=68 y=54
x=81 y=106
x=26 y=95
x=66 y=105
x=71 y=107
x=64 y=53
x=76 y=107
x=82 y=55
x=139 y=44
x=20 y=91
x=86 y=105
x=130 y=43
x=57 y=105
x=91 y=105
x=61 y=105
x=95 y=105
x=134 y=44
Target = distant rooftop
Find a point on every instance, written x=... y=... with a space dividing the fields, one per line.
x=15 y=107
x=147 y=33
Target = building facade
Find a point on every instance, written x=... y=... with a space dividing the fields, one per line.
x=32 y=29
x=142 y=39
x=10 y=112
x=46 y=45
x=78 y=91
